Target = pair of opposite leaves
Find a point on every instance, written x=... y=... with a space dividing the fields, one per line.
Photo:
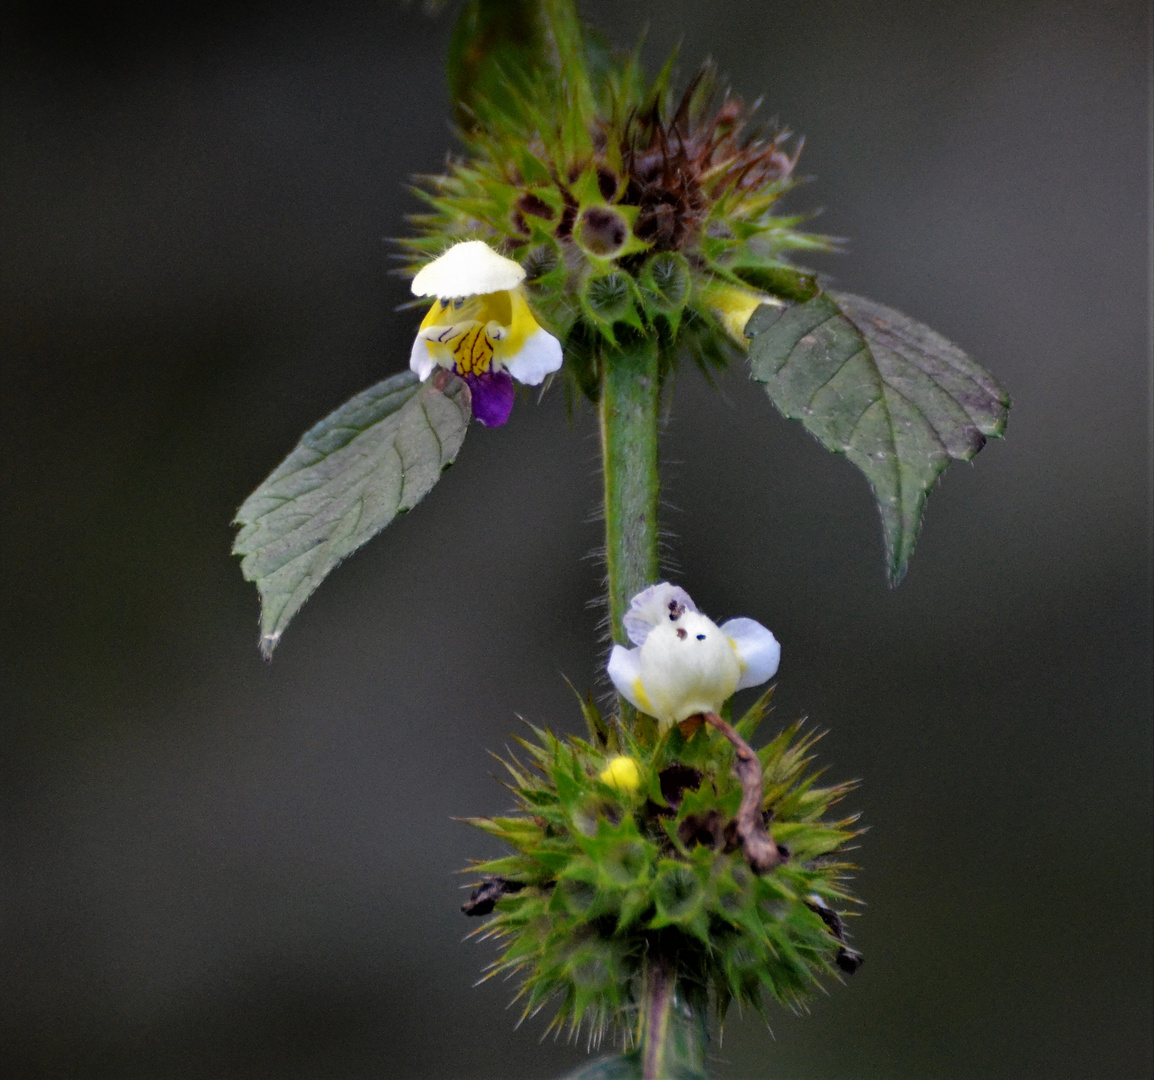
x=898 y=399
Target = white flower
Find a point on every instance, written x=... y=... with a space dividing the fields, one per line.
x=684 y=663
x=481 y=328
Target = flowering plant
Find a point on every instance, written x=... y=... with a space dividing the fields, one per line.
x=599 y=228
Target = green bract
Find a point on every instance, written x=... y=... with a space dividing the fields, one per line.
x=603 y=882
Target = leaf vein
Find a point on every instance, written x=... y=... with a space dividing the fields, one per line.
x=919 y=412
x=433 y=429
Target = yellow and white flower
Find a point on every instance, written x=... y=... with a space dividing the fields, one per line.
x=481 y=327
x=683 y=663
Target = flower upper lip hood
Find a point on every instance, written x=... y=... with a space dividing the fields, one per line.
x=481 y=327
x=468 y=269
x=683 y=663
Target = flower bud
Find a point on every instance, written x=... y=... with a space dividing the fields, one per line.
x=621 y=773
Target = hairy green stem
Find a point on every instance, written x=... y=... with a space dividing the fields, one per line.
x=630 y=394
x=563 y=27
x=656 y=1006
x=671 y=1035
x=670 y=1032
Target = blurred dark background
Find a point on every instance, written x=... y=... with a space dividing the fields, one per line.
x=216 y=868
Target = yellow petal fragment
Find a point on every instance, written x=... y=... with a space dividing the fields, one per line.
x=734 y=306
x=521 y=325
x=642 y=697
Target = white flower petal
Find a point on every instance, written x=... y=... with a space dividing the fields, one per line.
x=538 y=357
x=651 y=607
x=468 y=269
x=625 y=670
x=688 y=666
x=757 y=649
x=420 y=359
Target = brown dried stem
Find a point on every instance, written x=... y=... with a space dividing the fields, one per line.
x=761 y=852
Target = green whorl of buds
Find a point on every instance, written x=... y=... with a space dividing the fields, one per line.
x=627 y=851
x=628 y=207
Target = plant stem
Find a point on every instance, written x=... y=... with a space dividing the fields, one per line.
x=563 y=27
x=671 y=1034
x=656 y=1005
x=630 y=394
x=670 y=1031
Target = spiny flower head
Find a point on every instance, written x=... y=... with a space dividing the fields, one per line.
x=631 y=210
x=625 y=848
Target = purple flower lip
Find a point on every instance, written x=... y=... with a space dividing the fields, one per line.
x=493 y=396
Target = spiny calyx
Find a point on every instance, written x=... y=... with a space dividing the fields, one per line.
x=631 y=210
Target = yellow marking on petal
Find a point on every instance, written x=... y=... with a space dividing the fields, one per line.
x=472 y=351
x=640 y=694
x=521 y=326
x=433 y=315
x=477 y=331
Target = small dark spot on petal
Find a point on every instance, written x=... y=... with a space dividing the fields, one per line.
x=700 y=637
x=682 y=635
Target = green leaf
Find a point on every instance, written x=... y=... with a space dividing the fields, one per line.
x=896 y=398
x=377 y=456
